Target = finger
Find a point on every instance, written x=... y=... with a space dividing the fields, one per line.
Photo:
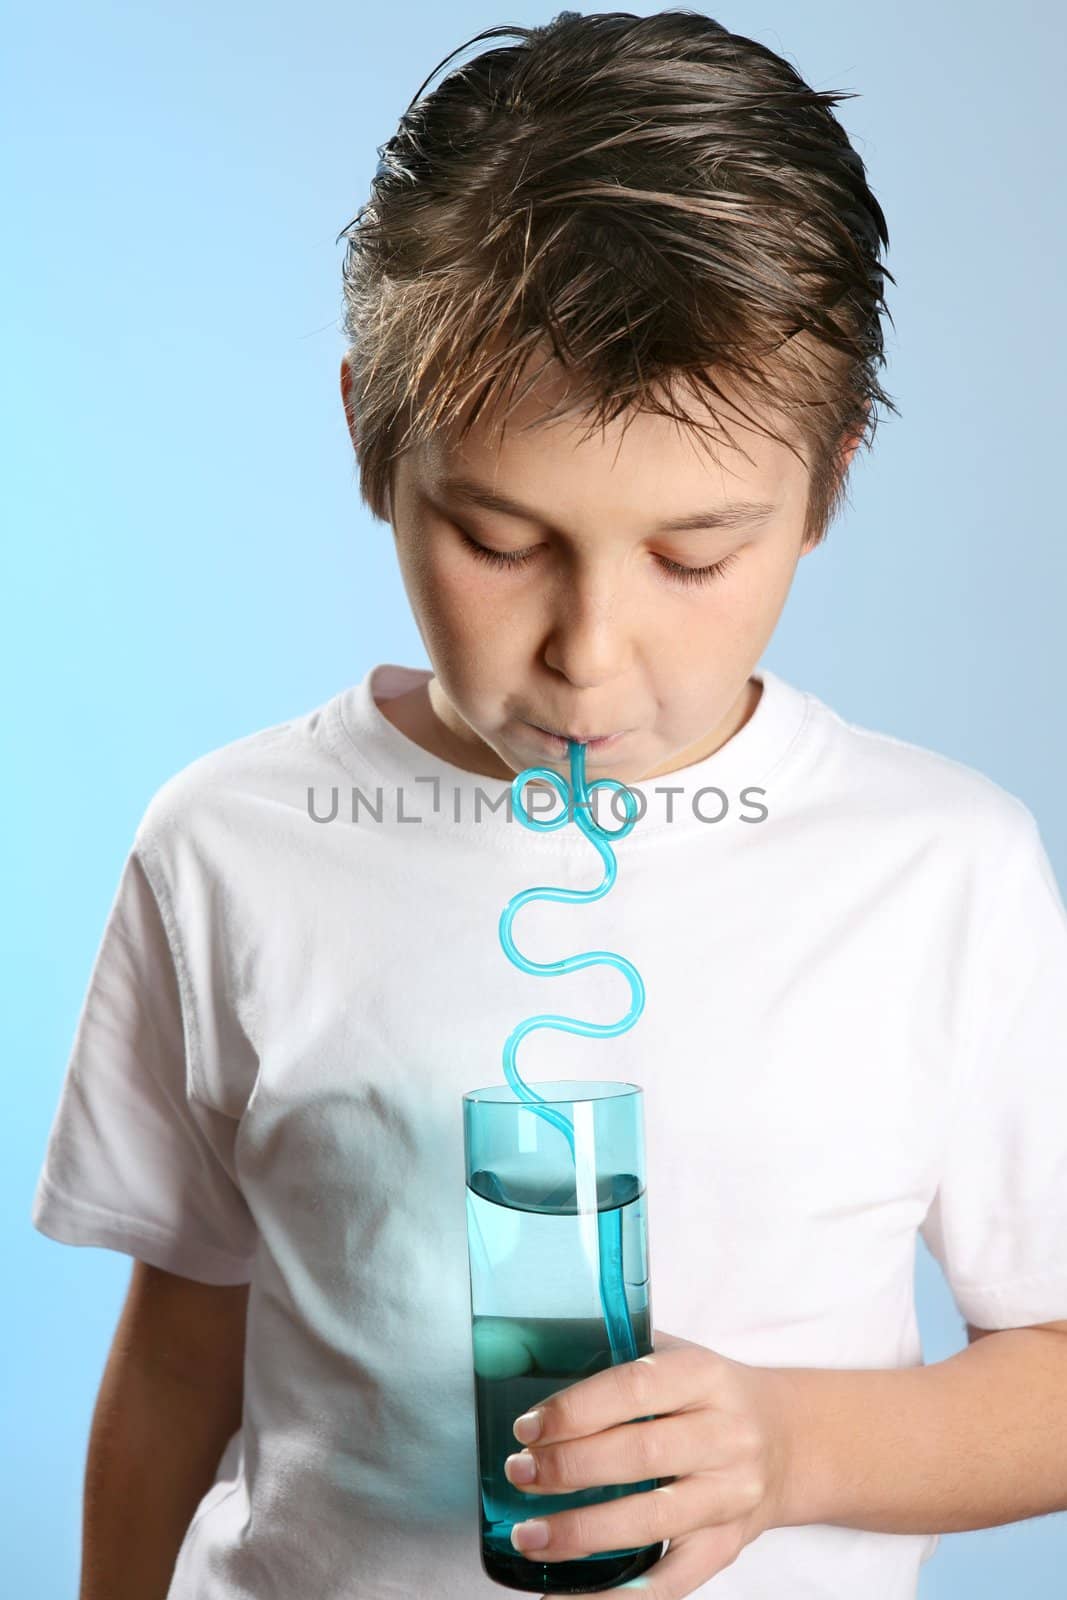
x=641 y=1519
x=671 y=1446
x=666 y=1381
x=669 y=1341
x=691 y=1560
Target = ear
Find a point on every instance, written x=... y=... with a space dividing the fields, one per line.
x=346 y=396
x=807 y=547
x=852 y=444
x=845 y=453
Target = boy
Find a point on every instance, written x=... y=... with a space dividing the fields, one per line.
x=614 y=325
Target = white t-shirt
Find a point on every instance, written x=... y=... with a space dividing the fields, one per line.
x=855 y=1031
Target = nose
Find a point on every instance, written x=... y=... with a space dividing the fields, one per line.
x=587 y=638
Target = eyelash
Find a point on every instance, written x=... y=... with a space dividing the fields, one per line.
x=690 y=575
x=686 y=576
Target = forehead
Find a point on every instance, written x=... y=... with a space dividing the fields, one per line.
x=640 y=466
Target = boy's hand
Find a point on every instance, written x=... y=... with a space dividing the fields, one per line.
x=715 y=1435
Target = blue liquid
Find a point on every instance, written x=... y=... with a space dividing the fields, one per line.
x=521 y=1360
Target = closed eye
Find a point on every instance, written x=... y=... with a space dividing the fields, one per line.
x=496 y=558
x=674 y=570
x=687 y=575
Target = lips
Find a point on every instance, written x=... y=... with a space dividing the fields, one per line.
x=579 y=738
x=590 y=741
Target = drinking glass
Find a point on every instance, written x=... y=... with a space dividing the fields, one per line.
x=549 y=1234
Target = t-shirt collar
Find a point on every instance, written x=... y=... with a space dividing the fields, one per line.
x=404 y=781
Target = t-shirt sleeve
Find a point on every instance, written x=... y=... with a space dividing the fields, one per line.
x=998 y=1221
x=135 y=1160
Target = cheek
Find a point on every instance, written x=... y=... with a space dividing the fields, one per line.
x=453 y=577
x=492 y=610
x=435 y=579
x=760 y=590
x=477 y=629
x=729 y=622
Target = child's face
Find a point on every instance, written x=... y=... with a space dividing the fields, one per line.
x=593 y=634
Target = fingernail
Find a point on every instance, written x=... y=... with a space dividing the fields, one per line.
x=521 y=1468
x=528 y=1427
x=529 y=1535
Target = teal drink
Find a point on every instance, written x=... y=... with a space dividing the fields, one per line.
x=546 y=1230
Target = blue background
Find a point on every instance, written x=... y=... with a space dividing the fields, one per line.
x=192 y=560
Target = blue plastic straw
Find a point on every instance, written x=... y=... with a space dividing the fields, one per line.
x=576 y=800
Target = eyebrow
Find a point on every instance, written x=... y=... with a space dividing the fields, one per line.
x=728 y=514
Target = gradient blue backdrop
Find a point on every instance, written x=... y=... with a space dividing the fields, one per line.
x=192 y=561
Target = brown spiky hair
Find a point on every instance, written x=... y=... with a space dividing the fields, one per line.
x=653 y=202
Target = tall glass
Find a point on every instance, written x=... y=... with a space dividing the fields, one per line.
x=541 y=1251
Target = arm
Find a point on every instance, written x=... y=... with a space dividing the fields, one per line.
x=169 y=1400
x=971 y=1442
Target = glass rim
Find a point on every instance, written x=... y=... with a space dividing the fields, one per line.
x=504 y=1094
